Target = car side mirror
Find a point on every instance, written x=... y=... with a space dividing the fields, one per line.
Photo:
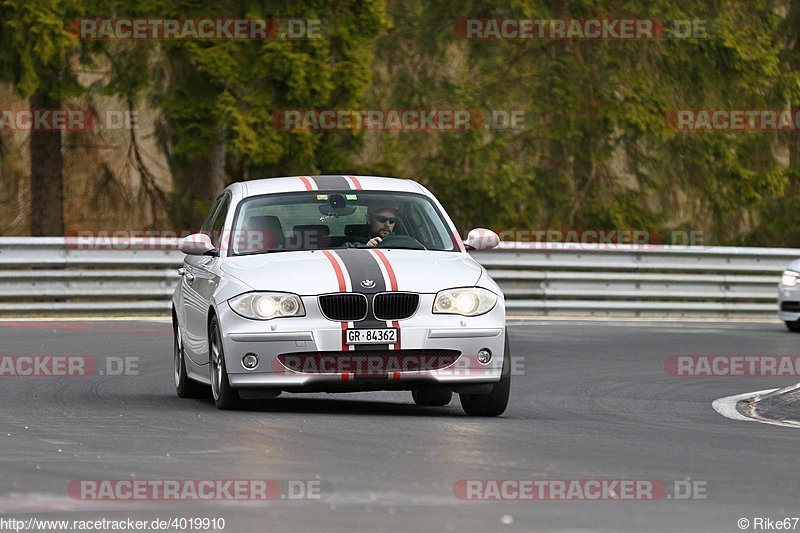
x=196 y=244
x=481 y=239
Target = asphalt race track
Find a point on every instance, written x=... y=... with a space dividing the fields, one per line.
x=592 y=400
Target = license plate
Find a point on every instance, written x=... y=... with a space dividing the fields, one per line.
x=371 y=336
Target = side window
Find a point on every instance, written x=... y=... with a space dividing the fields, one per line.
x=206 y=227
x=421 y=230
x=219 y=221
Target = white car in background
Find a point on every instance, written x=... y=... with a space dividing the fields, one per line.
x=789 y=296
x=283 y=289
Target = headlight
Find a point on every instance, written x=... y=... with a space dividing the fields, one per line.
x=789 y=278
x=469 y=301
x=267 y=305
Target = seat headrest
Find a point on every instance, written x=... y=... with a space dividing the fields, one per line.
x=320 y=229
x=309 y=237
x=261 y=233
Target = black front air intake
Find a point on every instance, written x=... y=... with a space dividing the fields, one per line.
x=343 y=307
x=395 y=305
x=790 y=307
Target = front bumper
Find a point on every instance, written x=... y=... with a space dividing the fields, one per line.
x=314 y=333
x=789 y=303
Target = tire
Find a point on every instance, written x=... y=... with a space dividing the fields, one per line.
x=225 y=396
x=793 y=326
x=432 y=397
x=185 y=387
x=494 y=403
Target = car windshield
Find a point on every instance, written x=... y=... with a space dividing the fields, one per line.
x=319 y=220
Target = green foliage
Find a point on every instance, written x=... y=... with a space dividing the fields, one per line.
x=37 y=50
x=596 y=150
x=213 y=92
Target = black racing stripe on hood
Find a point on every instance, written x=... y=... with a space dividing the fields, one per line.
x=331 y=183
x=362 y=265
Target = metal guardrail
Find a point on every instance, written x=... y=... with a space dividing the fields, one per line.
x=638 y=280
x=56 y=275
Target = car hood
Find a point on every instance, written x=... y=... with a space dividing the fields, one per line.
x=320 y=272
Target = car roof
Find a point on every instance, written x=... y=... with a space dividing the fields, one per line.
x=333 y=182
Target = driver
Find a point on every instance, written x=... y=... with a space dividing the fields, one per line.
x=380 y=224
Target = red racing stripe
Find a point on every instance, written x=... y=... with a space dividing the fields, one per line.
x=337 y=269
x=389 y=269
x=399 y=336
x=356 y=183
x=345 y=346
x=393 y=285
x=306 y=182
x=342 y=288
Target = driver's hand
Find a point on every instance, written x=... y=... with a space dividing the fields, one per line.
x=374 y=241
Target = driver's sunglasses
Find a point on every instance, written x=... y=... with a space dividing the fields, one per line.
x=383 y=220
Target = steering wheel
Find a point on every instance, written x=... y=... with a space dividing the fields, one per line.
x=400 y=241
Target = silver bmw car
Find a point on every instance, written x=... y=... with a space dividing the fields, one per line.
x=789 y=296
x=338 y=284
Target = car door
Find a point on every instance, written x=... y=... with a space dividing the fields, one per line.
x=201 y=282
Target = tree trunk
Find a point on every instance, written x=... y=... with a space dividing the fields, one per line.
x=201 y=178
x=216 y=172
x=47 y=174
x=793 y=18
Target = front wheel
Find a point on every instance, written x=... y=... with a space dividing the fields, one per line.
x=494 y=403
x=185 y=387
x=432 y=397
x=225 y=396
x=793 y=325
